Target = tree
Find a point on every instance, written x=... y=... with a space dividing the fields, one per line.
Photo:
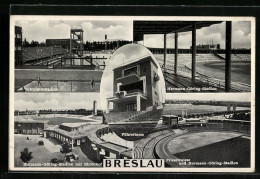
x=66 y=148
x=26 y=156
x=26 y=43
x=34 y=43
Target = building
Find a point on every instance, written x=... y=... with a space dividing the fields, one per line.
x=136 y=86
x=170 y=120
x=29 y=127
x=73 y=126
x=18 y=46
x=137 y=104
x=73 y=133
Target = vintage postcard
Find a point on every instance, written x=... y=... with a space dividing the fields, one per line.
x=126 y=93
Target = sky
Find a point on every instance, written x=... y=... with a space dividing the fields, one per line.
x=34 y=101
x=126 y=54
x=39 y=30
x=241 y=36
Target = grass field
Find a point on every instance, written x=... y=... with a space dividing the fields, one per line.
x=240 y=71
x=236 y=149
x=60 y=120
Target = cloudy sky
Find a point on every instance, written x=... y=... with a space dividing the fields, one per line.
x=34 y=101
x=123 y=55
x=241 y=36
x=39 y=30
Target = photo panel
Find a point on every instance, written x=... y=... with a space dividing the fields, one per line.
x=125 y=93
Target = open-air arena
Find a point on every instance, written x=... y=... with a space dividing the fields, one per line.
x=190 y=144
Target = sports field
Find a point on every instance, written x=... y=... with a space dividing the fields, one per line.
x=59 y=119
x=218 y=147
x=240 y=71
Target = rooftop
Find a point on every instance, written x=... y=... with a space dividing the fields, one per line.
x=77 y=134
x=166 y=27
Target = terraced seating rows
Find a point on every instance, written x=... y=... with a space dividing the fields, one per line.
x=121 y=116
x=33 y=53
x=129 y=116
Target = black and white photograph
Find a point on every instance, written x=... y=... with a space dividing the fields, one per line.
x=70 y=55
x=126 y=93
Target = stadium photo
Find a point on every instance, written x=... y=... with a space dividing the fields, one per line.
x=202 y=132
x=201 y=56
x=61 y=134
x=63 y=56
x=70 y=56
x=189 y=131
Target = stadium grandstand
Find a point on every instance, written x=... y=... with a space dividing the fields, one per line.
x=186 y=68
x=41 y=55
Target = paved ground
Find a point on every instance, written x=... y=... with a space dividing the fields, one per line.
x=42 y=154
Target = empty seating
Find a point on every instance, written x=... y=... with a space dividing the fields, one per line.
x=34 y=53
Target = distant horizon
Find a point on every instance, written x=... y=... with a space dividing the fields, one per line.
x=57 y=101
x=206 y=101
x=233 y=97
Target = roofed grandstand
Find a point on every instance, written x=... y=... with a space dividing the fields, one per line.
x=204 y=75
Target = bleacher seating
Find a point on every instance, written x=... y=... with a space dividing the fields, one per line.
x=33 y=53
x=238 y=57
x=184 y=70
x=121 y=116
x=129 y=116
